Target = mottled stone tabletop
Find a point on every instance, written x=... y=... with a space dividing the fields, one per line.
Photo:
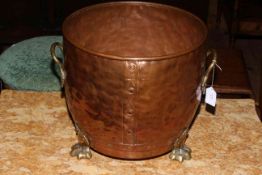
x=36 y=136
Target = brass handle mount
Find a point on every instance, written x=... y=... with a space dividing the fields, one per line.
x=58 y=61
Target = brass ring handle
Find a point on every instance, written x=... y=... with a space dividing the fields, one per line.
x=211 y=66
x=57 y=61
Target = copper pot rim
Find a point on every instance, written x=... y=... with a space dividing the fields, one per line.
x=151 y=58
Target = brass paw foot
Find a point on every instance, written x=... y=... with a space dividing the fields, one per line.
x=181 y=154
x=81 y=151
x=180 y=151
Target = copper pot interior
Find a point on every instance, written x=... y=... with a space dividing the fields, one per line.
x=137 y=30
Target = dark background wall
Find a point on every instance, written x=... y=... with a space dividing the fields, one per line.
x=21 y=19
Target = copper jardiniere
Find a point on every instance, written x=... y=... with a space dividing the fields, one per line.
x=133 y=76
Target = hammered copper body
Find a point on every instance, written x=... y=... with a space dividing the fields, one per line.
x=133 y=74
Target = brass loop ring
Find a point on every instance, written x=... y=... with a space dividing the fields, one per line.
x=57 y=60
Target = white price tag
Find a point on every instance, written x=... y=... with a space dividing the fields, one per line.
x=211 y=96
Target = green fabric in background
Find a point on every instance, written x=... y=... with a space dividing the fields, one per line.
x=27 y=65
